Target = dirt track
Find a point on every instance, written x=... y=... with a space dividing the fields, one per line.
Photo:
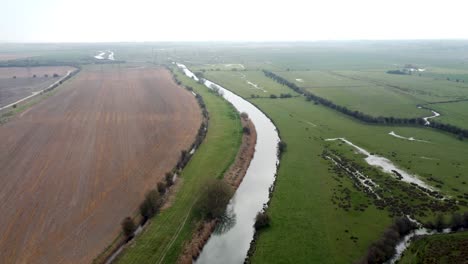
x=77 y=163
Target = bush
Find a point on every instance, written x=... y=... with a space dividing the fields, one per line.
x=244 y=115
x=169 y=179
x=46 y=75
x=128 y=227
x=246 y=130
x=282 y=146
x=456 y=222
x=14 y=77
x=161 y=187
x=214 y=199
x=151 y=205
x=56 y=75
x=262 y=220
x=273 y=96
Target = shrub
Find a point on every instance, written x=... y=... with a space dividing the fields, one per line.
x=161 y=187
x=273 y=96
x=46 y=75
x=14 y=77
x=456 y=222
x=246 y=130
x=128 y=227
x=151 y=205
x=262 y=220
x=214 y=199
x=282 y=146
x=169 y=179
x=439 y=223
x=55 y=75
x=244 y=115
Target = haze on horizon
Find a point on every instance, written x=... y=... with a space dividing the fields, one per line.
x=242 y=20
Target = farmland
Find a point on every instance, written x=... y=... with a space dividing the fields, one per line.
x=17 y=83
x=78 y=162
x=320 y=212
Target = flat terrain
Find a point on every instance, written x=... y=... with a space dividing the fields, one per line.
x=319 y=207
x=12 y=56
x=75 y=164
x=163 y=239
x=13 y=89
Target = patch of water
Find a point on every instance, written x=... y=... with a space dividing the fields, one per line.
x=410 y=138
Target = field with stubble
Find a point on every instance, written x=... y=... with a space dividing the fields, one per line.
x=75 y=164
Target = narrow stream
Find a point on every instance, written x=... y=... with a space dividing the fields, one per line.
x=231 y=245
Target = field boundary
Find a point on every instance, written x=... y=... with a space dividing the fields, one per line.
x=366 y=118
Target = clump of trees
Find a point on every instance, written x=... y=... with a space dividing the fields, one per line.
x=456 y=222
x=262 y=220
x=384 y=249
x=128 y=227
x=397 y=72
x=365 y=117
x=214 y=199
x=151 y=205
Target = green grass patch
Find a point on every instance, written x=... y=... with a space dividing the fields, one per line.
x=305 y=205
x=443 y=249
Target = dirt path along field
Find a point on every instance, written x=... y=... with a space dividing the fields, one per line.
x=80 y=161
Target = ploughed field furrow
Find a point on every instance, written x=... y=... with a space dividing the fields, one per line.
x=77 y=163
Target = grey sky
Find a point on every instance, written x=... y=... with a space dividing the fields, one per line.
x=257 y=20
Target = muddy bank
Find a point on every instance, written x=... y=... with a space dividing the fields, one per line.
x=233 y=176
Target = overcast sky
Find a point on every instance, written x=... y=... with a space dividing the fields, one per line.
x=210 y=20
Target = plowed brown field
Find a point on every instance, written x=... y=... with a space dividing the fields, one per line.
x=74 y=165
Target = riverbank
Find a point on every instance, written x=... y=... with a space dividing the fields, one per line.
x=233 y=176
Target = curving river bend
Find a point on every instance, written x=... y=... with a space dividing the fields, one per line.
x=231 y=245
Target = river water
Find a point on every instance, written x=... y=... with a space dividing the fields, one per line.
x=231 y=246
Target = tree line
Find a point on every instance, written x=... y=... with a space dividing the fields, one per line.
x=460 y=132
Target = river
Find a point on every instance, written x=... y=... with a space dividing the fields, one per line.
x=231 y=246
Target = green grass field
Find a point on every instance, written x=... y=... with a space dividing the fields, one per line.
x=163 y=239
x=443 y=249
x=302 y=207
x=453 y=113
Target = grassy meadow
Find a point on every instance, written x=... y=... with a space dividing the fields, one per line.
x=330 y=220
x=447 y=248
